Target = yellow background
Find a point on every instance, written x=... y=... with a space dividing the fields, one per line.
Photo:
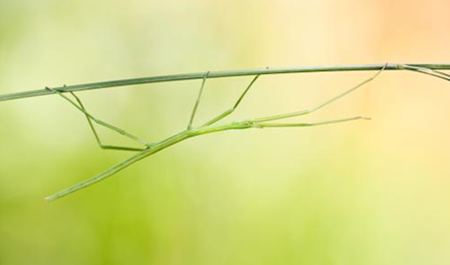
x=366 y=192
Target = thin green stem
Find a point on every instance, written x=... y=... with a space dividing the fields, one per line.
x=218 y=74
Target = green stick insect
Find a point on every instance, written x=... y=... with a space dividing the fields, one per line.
x=212 y=126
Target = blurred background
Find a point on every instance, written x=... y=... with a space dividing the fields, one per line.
x=366 y=192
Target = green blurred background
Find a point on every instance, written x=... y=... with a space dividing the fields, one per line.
x=357 y=193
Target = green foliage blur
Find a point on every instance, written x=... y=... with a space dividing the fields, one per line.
x=368 y=192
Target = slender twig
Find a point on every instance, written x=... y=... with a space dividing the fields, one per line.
x=218 y=74
x=211 y=126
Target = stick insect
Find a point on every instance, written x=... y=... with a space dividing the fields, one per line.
x=213 y=125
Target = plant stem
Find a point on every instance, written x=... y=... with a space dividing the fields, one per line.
x=219 y=74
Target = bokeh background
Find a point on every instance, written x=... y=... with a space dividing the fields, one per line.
x=367 y=192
